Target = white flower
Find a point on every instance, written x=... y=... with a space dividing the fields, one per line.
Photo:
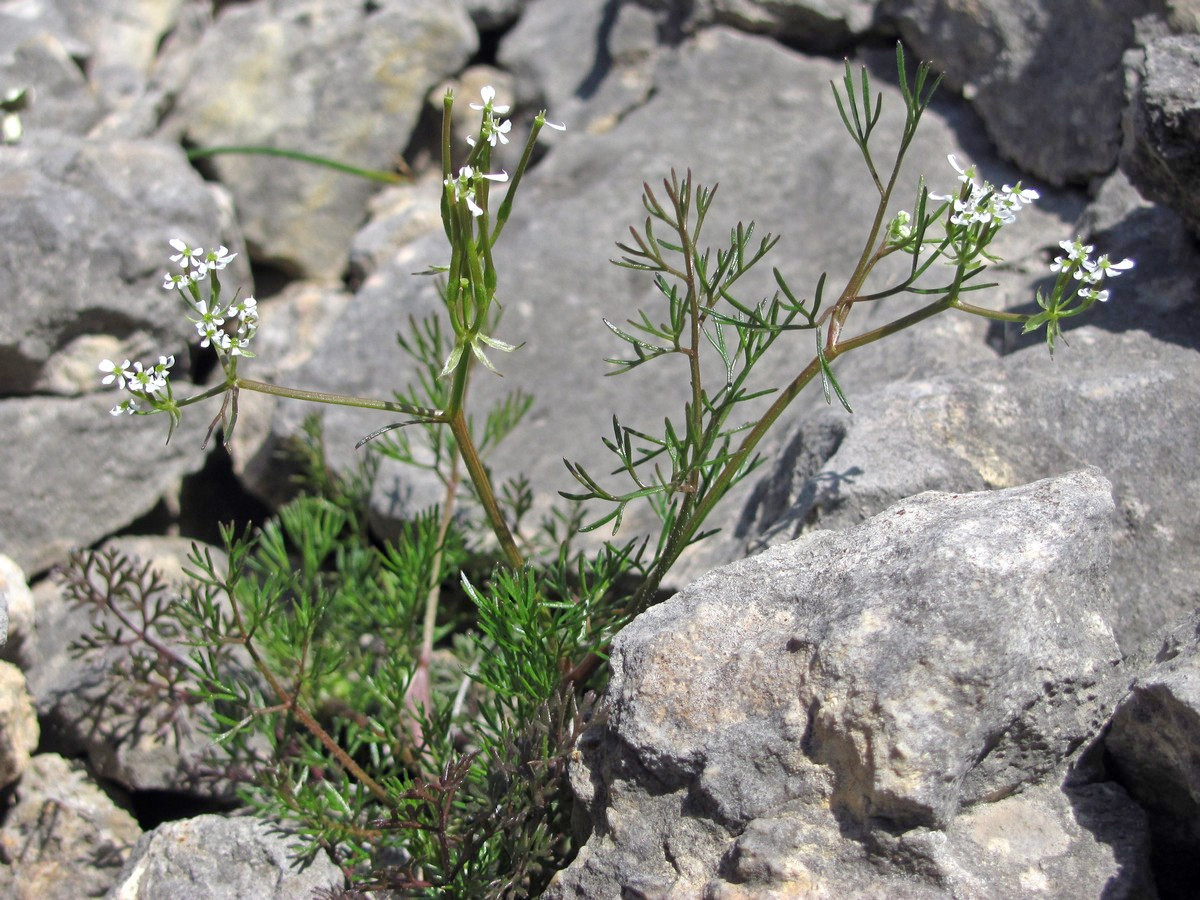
x=1106 y=267
x=120 y=373
x=245 y=309
x=1019 y=196
x=173 y=281
x=556 y=126
x=464 y=186
x=966 y=174
x=207 y=316
x=488 y=93
x=145 y=380
x=125 y=406
x=215 y=260
x=211 y=333
x=1076 y=250
x=499 y=132
x=186 y=256
x=1091 y=294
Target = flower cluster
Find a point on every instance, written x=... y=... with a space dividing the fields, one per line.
x=463 y=187
x=1080 y=267
x=980 y=202
x=1076 y=289
x=212 y=317
x=493 y=129
x=209 y=315
x=141 y=382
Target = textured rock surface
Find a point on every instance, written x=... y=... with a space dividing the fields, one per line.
x=86 y=226
x=63 y=838
x=215 y=858
x=340 y=80
x=1162 y=146
x=1045 y=75
x=1153 y=743
x=941 y=655
x=1024 y=417
x=83 y=474
x=18 y=724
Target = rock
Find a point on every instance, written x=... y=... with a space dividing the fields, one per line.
x=603 y=68
x=83 y=474
x=324 y=77
x=123 y=38
x=97 y=216
x=59 y=96
x=64 y=838
x=1162 y=125
x=1153 y=749
x=489 y=15
x=136 y=738
x=292 y=325
x=865 y=685
x=214 y=858
x=1070 y=842
x=16 y=614
x=1026 y=416
x=18 y=724
x=817 y=26
x=1045 y=75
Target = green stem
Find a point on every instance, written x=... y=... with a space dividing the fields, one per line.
x=483 y=488
x=358 y=171
x=424 y=413
x=995 y=315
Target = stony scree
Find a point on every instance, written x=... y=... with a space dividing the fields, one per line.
x=996 y=781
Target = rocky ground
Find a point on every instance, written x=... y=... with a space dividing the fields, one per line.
x=946 y=646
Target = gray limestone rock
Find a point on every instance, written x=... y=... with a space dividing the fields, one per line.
x=324 y=77
x=18 y=724
x=59 y=97
x=821 y=26
x=1112 y=401
x=1153 y=748
x=1162 y=125
x=85 y=226
x=215 y=858
x=83 y=474
x=1045 y=75
x=942 y=656
x=63 y=838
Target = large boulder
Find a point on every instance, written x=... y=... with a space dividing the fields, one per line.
x=1045 y=75
x=861 y=705
x=1121 y=402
